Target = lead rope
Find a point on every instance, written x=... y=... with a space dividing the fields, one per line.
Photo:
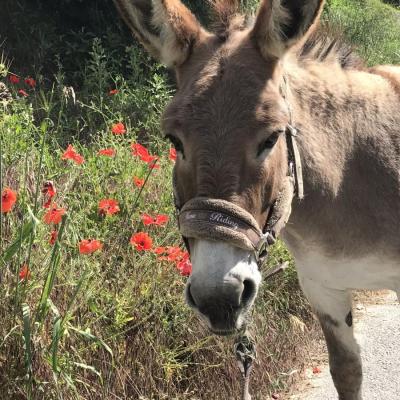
x=245 y=351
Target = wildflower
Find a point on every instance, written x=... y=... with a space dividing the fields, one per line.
x=54 y=215
x=142 y=241
x=14 y=79
x=113 y=92
x=24 y=273
x=107 y=152
x=89 y=246
x=175 y=255
x=118 y=129
x=160 y=250
x=138 y=181
x=159 y=220
x=8 y=199
x=140 y=151
x=108 y=207
x=184 y=266
x=53 y=237
x=49 y=191
x=147 y=219
x=172 y=154
x=71 y=154
x=316 y=370
x=170 y=253
x=30 y=82
x=23 y=93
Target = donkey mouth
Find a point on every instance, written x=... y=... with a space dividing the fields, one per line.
x=224 y=324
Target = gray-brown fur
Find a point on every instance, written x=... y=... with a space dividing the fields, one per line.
x=230 y=101
x=345 y=365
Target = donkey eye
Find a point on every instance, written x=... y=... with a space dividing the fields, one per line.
x=269 y=143
x=176 y=143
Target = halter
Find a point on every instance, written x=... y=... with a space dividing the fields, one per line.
x=219 y=219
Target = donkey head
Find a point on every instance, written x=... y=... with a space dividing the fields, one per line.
x=227 y=123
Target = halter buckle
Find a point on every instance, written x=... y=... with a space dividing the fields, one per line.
x=266 y=240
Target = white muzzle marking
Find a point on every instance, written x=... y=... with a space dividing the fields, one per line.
x=223 y=284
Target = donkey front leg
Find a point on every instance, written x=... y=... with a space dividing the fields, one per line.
x=333 y=308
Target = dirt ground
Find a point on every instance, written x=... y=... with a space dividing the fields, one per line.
x=377 y=329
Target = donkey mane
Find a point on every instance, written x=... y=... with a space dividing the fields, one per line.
x=326 y=44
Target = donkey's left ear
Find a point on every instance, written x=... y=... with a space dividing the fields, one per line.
x=281 y=24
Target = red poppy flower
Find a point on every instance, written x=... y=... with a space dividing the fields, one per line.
x=140 y=151
x=147 y=219
x=54 y=215
x=8 y=199
x=118 y=129
x=159 y=220
x=89 y=246
x=178 y=256
x=149 y=159
x=113 y=92
x=108 y=207
x=142 y=241
x=160 y=250
x=170 y=254
x=138 y=181
x=53 y=237
x=172 y=154
x=14 y=79
x=71 y=154
x=107 y=152
x=24 y=273
x=184 y=266
x=23 y=93
x=30 y=82
x=49 y=191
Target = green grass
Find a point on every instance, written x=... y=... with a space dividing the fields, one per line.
x=372 y=26
x=114 y=324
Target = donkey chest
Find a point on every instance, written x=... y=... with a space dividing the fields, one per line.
x=368 y=272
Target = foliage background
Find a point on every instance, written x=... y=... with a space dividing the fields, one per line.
x=125 y=331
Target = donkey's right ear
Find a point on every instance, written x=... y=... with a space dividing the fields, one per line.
x=166 y=28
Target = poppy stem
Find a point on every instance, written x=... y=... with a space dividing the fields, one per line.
x=54 y=263
x=135 y=202
x=44 y=129
x=21 y=231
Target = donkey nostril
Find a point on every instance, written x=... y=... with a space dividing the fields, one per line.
x=249 y=289
x=189 y=297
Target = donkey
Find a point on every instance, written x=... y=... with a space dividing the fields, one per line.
x=239 y=89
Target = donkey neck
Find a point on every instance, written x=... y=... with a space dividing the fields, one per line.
x=350 y=148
